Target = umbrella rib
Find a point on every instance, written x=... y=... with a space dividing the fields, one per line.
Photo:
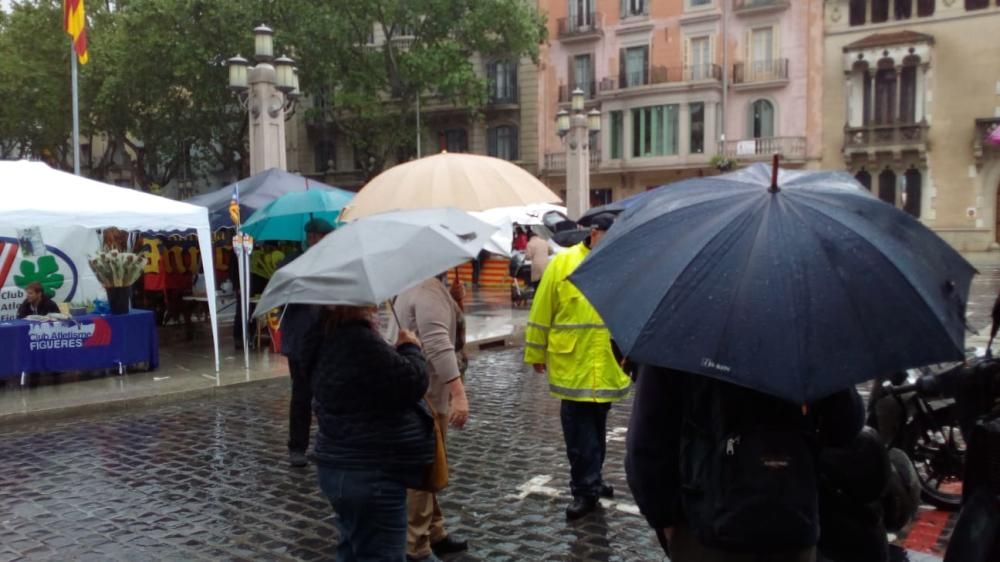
x=807 y=200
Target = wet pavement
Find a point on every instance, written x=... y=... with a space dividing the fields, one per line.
x=207 y=480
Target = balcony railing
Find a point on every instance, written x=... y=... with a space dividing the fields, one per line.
x=747 y=6
x=984 y=127
x=507 y=96
x=566 y=92
x=886 y=136
x=760 y=71
x=581 y=25
x=662 y=75
x=556 y=161
x=789 y=148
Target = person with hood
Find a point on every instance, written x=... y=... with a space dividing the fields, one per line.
x=567 y=338
x=300 y=331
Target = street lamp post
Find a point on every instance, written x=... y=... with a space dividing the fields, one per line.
x=268 y=91
x=575 y=129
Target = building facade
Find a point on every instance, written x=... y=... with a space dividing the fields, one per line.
x=506 y=127
x=911 y=90
x=674 y=105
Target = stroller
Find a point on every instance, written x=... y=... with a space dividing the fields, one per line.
x=521 y=290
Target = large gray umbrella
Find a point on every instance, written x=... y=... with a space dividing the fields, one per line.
x=375 y=258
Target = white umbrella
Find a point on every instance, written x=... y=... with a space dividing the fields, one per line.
x=504 y=218
x=465 y=181
x=375 y=258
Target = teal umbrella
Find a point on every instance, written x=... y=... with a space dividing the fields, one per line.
x=285 y=218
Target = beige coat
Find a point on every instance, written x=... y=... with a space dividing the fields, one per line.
x=429 y=310
x=538 y=254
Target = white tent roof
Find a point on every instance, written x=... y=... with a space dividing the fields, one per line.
x=36 y=195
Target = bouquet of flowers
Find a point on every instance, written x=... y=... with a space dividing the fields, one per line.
x=117 y=269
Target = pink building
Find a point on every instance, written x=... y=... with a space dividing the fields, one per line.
x=657 y=72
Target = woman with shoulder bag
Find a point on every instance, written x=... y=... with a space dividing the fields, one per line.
x=374 y=439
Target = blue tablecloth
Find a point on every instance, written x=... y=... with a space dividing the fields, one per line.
x=83 y=343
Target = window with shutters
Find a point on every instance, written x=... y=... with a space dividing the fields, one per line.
x=887 y=186
x=617 y=134
x=502 y=142
x=697 y=114
x=502 y=79
x=453 y=140
x=925 y=8
x=634 y=8
x=581 y=14
x=634 y=66
x=581 y=75
x=880 y=11
x=903 y=9
x=699 y=58
x=976 y=4
x=858 y=12
x=654 y=131
x=911 y=191
x=324 y=156
x=761 y=48
x=885 y=96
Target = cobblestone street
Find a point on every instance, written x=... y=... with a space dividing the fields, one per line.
x=207 y=480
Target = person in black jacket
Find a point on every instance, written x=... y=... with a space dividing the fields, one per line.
x=299 y=342
x=376 y=436
x=35 y=302
x=653 y=455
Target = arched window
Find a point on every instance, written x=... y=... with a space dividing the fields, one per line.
x=885 y=96
x=502 y=142
x=864 y=178
x=869 y=113
x=908 y=94
x=911 y=192
x=887 y=186
x=761 y=119
x=903 y=9
x=925 y=8
x=858 y=9
x=880 y=11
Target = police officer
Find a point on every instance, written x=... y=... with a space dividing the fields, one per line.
x=567 y=338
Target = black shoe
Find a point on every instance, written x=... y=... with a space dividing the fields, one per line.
x=607 y=491
x=297 y=459
x=449 y=545
x=580 y=507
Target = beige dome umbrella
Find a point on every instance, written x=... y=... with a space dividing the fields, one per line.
x=464 y=181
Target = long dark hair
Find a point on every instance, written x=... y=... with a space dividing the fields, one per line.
x=338 y=315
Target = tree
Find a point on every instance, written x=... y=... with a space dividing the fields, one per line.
x=422 y=48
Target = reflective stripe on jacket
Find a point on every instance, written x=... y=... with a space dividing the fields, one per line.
x=566 y=334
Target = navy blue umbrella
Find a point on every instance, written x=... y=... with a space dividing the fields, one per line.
x=255 y=192
x=797 y=292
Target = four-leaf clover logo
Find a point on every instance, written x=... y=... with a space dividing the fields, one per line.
x=46 y=273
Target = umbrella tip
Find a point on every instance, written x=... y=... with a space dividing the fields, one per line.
x=774 y=175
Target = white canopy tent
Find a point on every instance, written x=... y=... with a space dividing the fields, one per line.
x=34 y=194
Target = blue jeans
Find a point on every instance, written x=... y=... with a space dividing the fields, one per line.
x=371 y=514
x=585 y=431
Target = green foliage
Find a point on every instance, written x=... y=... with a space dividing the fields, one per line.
x=156 y=84
x=46 y=273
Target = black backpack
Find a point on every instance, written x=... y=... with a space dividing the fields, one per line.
x=748 y=467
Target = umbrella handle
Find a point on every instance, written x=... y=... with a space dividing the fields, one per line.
x=394 y=315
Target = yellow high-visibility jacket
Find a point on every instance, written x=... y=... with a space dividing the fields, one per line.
x=566 y=334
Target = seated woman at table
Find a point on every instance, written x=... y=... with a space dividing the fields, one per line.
x=36 y=303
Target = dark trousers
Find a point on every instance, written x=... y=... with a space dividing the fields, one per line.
x=300 y=408
x=371 y=514
x=585 y=427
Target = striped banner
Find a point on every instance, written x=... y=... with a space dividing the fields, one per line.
x=8 y=253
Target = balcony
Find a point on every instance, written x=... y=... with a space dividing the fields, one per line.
x=754 y=7
x=760 y=74
x=658 y=75
x=502 y=97
x=566 y=93
x=980 y=147
x=555 y=162
x=791 y=149
x=893 y=137
x=581 y=27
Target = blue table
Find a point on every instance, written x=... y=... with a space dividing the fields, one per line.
x=84 y=343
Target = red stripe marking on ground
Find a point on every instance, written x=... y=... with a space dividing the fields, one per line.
x=925 y=532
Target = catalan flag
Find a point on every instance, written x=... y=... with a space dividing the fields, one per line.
x=234 y=206
x=75 y=23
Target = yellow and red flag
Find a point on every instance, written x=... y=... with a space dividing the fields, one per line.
x=75 y=24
